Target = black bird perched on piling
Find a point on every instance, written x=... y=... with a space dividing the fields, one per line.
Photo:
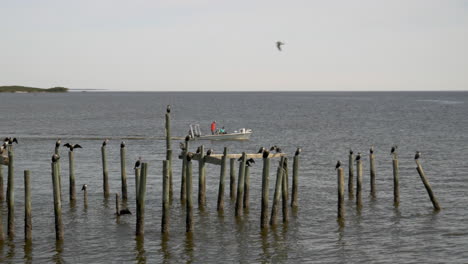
x=104 y=143
x=55 y=158
x=338 y=164
x=137 y=163
x=168 y=109
x=418 y=155
x=2 y=148
x=266 y=153
x=182 y=146
x=189 y=156
x=187 y=138
x=298 y=151
x=198 y=150
x=58 y=142
x=71 y=147
x=275 y=148
x=10 y=140
x=261 y=150
x=85 y=186
x=249 y=162
x=358 y=156
x=122 y=144
x=209 y=152
x=351 y=152
x=125 y=211
x=394 y=148
x=371 y=150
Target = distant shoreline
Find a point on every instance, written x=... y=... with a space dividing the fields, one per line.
x=25 y=89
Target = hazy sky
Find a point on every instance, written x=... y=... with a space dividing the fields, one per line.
x=230 y=45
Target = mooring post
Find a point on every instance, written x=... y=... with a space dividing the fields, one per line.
x=358 y=183
x=117 y=204
x=295 y=183
x=434 y=201
x=27 y=206
x=57 y=203
x=240 y=185
x=201 y=178
x=2 y=188
x=105 y=173
x=351 y=175
x=72 y=175
x=265 y=190
x=165 y=197
x=232 y=181
x=284 y=191
x=183 y=187
x=140 y=224
x=372 y=173
x=341 y=190
x=246 y=187
x=169 y=148
x=2 y=235
x=56 y=151
x=10 y=194
x=169 y=169
x=189 y=202
x=137 y=182
x=222 y=176
x=123 y=172
x=396 y=184
x=85 y=196
x=276 y=196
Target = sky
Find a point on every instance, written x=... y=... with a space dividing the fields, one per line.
x=217 y=45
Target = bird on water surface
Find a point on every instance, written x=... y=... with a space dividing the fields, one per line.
x=71 y=147
x=279 y=44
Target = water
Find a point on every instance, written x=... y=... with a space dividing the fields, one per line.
x=325 y=125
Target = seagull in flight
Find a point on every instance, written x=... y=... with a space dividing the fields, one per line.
x=279 y=44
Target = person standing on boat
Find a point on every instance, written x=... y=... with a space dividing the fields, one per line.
x=213 y=127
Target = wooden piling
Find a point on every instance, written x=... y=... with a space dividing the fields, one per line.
x=2 y=187
x=169 y=151
x=396 y=184
x=10 y=194
x=372 y=175
x=240 y=186
x=201 y=178
x=295 y=183
x=341 y=187
x=105 y=173
x=246 y=187
x=27 y=206
x=189 y=202
x=434 y=201
x=137 y=182
x=276 y=196
x=284 y=191
x=57 y=203
x=222 y=176
x=72 y=175
x=165 y=197
x=140 y=224
x=183 y=185
x=56 y=151
x=351 y=176
x=358 y=183
x=169 y=169
x=265 y=191
x=117 y=204
x=232 y=181
x=123 y=173
x=2 y=235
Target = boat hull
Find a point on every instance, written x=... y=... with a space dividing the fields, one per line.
x=230 y=136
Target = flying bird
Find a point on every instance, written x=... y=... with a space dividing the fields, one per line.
x=298 y=151
x=55 y=158
x=249 y=162
x=104 y=143
x=71 y=147
x=122 y=144
x=279 y=44
x=418 y=155
x=85 y=186
x=137 y=163
x=168 y=109
x=338 y=164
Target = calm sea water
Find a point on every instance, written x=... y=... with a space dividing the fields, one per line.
x=325 y=125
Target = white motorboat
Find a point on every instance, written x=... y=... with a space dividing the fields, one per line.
x=241 y=134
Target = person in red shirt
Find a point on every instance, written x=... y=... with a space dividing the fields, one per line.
x=213 y=127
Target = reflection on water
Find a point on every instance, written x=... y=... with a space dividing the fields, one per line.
x=28 y=251
x=57 y=257
x=189 y=246
x=140 y=249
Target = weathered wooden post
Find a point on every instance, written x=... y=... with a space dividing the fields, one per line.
x=240 y=185
x=189 y=203
x=169 y=148
x=117 y=204
x=105 y=173
x=85 y=195
x=123 y=172
x=222 y=176
x=372 y=172
x=27 y=206
x=246 y=187
x=434 y=201
x=284 y=191
x=2 y=188
x=57 y=151
x=201 y=178
x=358 y=181
x=294 y=202
x=72 y=175
x=169 y=169
x=183 y=187
x=341 y=208
x=10 y=194
x=165 y=197
x=396 y=184
x=276 y=196
x=140 y=224
x=351 y=175
x=57 y=202
x=137 y=182
x=2 y=235
x=265 y=190
x=232 y=176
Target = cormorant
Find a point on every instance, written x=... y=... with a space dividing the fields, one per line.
x=279 y=44
x=187 y=138
x=266 y=153
x=71 y=147
x=58 y=142
x=137 y=163
x=338 y=164
x=273 y=147
x=10 y=140
x=358 y=157
x=261 y=150
x=122 y=144
x=249 y=162
x=168 y=109
x=278 y=150
x=351 y=152
x=209 y=152
x=189 y=156
x=85 y=186
x=394 y=148
x=55 y=158
x=198 y=150
x=298 y=151
x=418 y=155
x=104 y=143
x=371 y=150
